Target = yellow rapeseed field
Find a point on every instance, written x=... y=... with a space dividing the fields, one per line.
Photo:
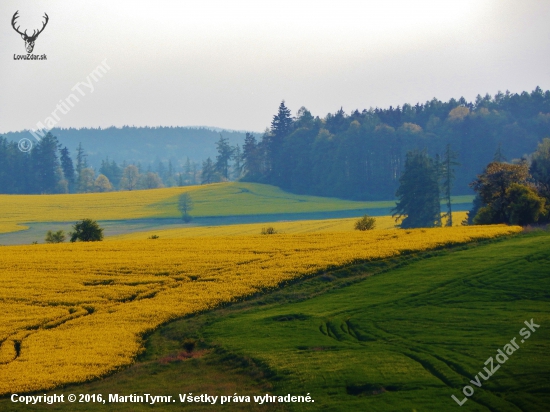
x=74 y=312
x=100 y=206
x=217 y=199
x=284 y=227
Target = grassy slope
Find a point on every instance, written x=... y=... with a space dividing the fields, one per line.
x=420 y=331
x=221 y=199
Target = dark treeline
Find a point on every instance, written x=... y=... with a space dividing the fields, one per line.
x=48 y=167
x=361 y=155
x=51 y=167
x=36 y=172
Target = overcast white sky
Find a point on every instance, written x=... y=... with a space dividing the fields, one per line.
x=230 y=63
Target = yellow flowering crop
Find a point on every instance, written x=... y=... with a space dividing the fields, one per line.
x=74 y=312
x=105 y=206
x=285 y=227
x=217 y=199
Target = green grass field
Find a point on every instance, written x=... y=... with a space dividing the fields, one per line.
x=412 y=337
x=400 y=335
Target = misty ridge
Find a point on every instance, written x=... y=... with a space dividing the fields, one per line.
x=143 y=145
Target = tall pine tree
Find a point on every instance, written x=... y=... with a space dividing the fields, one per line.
x=208 y=173
x=418 y=193
x=68 y=168
x=81 y=164
x=281 y=126
x=237 y=162
x=225 y=153
x=45 y=165
x=251 y=158
x=448 y=175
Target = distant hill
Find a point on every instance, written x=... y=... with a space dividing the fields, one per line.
x=142 y=144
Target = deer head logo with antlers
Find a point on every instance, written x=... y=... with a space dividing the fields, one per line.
x=29 y=40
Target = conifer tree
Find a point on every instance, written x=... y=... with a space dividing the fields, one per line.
x=194 y=173
x=251 y=157
x=68 y=167
x=208 y=171
x=45 y=165
x=225 y=153
x=418 y=193
x=187 y=171
x=81 y=164
x=281 y=126
x=237 y=162
x=448 y=175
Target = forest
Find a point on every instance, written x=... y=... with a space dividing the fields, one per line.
x=139 y=145
x=358 y=156
x=361 y=155
x=72 y=160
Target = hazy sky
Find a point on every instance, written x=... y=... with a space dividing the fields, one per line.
x=230 y=63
